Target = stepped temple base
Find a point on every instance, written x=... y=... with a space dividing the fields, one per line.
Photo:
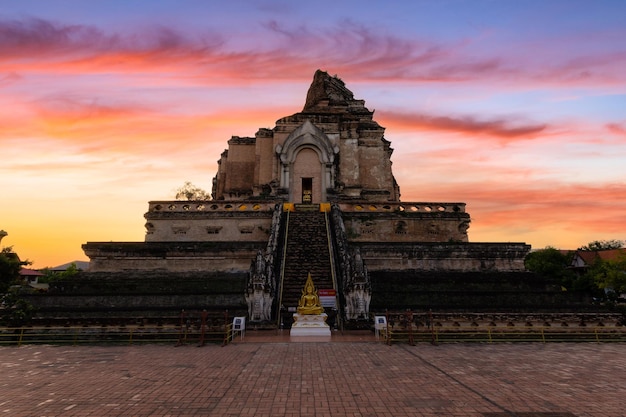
x=310 y=325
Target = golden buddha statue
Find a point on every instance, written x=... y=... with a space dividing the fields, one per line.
x=309 y=302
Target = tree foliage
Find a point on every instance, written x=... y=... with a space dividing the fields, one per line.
x=192 y=193
x=10 y=266
x=50 y=276
x=603 y=245
x=553 y=264
x=15 y=311
x=610 y=274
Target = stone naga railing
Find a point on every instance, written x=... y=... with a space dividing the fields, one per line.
x=355 y=280
x=262 y=279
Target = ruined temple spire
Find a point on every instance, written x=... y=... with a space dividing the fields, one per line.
x=327 y=89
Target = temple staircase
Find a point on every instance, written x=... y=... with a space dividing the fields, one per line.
x=307 y=251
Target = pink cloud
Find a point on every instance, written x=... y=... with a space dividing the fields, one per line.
x=283 y=52
x=507 y=129
x=9 y=78
x=617 y=128
x=37 y=44
x=24 y=38
x=587 y=66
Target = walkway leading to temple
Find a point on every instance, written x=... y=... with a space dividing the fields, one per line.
x=315 y=379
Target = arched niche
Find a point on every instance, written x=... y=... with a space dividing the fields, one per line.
x=298 y=165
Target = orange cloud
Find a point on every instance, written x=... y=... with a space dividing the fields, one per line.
x=130 y=127
x=528 y=209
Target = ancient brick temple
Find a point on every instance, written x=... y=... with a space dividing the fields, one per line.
x=315 y=194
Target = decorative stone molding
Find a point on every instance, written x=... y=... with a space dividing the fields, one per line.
x=180 y=229
x=213 y=230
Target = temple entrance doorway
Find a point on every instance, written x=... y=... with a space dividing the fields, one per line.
x=306 y=181
x=307 y=190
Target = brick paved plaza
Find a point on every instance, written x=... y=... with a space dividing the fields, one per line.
x=275 y=377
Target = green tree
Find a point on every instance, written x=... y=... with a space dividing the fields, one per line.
x=553 y=264
x=192 y=193
x=50 y=276
x=603 y=245
x=610 y=274
x=15 y=311
x=10 y=266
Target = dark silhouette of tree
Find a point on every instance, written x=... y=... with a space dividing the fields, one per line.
x=553 y=264
x=15 y=311
x=603 y=245
x=10 y=266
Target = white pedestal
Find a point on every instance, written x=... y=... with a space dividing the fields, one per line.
x=310 y=325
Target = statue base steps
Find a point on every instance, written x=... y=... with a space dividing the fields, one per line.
x=310 y=325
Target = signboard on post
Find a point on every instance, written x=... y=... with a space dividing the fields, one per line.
x=380 y=325
x=239 y=325
x=328 y=297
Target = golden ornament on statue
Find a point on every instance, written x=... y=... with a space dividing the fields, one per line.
x=309 y=302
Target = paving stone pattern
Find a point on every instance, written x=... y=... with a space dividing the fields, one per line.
x=314 y=379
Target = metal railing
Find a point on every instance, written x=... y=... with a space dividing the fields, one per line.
x=413 y=327
x=282 y=274
x=331 y=254
x=390 y=335
x=114 y=335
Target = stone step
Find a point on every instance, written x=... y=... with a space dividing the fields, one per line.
x=306 y=207
x=306 y=252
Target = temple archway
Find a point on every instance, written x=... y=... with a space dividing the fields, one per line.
x=306 y=181
x=307 y=158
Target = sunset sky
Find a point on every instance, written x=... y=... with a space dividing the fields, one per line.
x=517 y=108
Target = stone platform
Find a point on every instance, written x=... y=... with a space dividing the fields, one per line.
x=313 y=325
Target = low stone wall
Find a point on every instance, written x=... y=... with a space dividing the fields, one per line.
x=406 y=222
x=171 y=256
x=208 y=221
x=146 y=293
x=465 y=257
x=471 y=291
x=133 y=305
x=408 y=208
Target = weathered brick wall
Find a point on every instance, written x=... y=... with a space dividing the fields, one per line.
x=405 y=222
x=171 y=256
x=264 y=159
x=465 y=257
x=341 y=124
x=208 y=221
x=141 y=293
x=476 y=291
x=241 y=165
x=397 y=229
